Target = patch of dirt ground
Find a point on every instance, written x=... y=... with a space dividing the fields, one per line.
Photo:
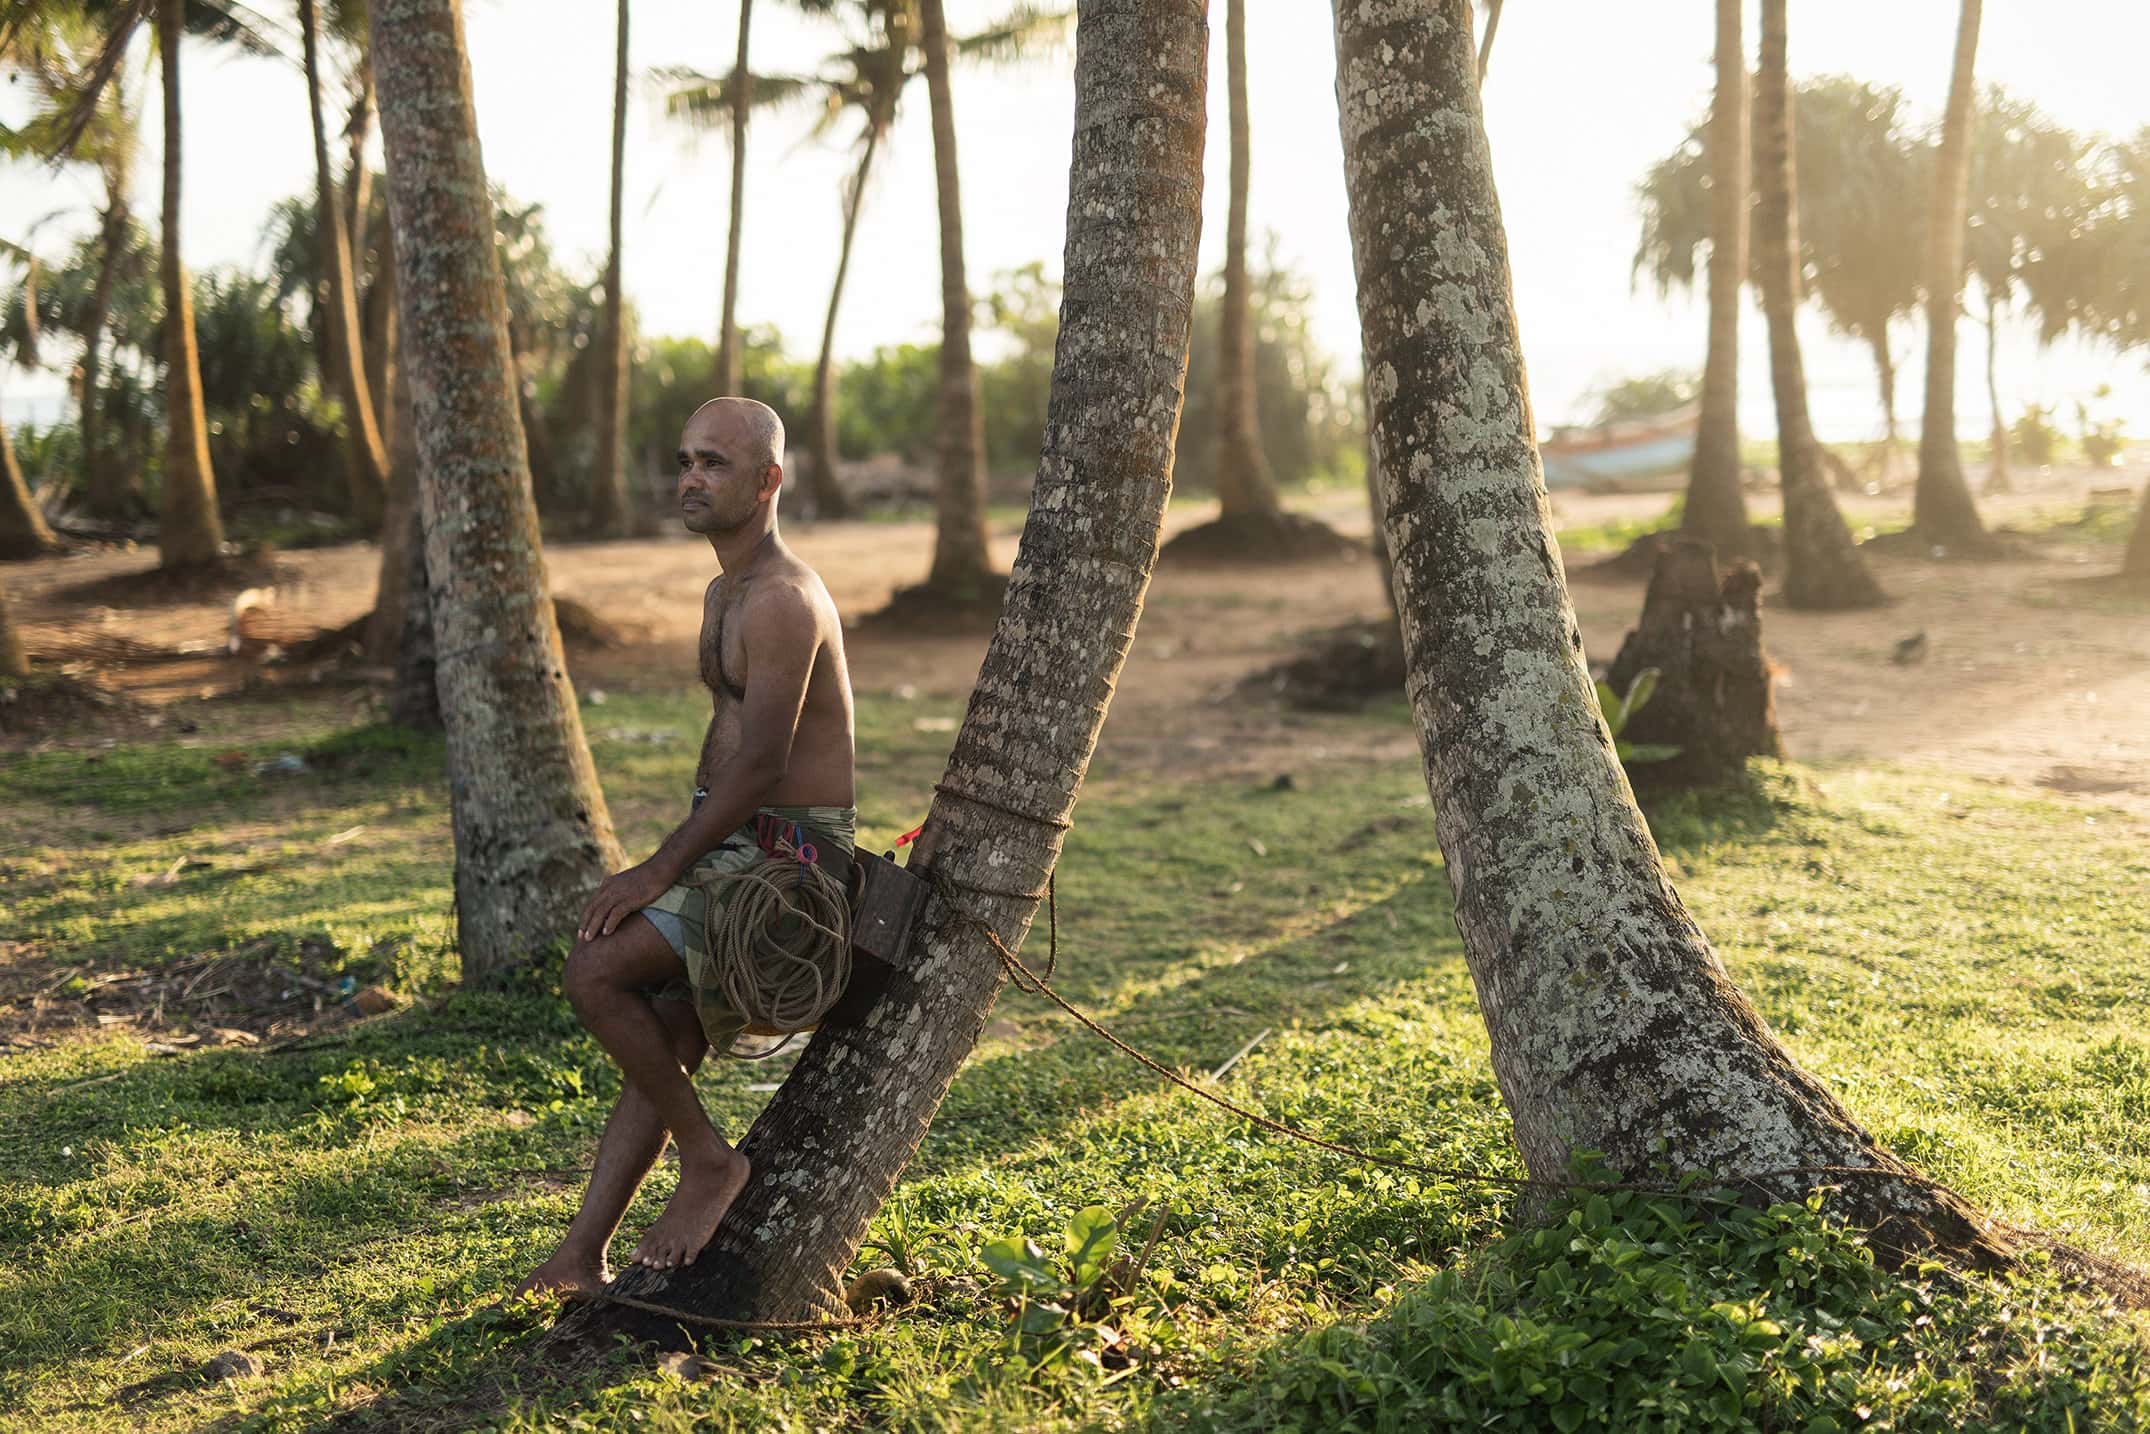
x=2034 y=672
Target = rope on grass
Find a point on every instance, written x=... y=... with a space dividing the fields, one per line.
x=1025 y=979
x=780 y=942
x=702 y=1321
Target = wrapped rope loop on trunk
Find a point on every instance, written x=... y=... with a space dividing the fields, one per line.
x=780 y=938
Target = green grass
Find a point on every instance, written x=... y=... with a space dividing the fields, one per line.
x=1962 y=965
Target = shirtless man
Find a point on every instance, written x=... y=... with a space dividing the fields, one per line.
x=775 y=775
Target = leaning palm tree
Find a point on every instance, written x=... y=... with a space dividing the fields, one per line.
x=532 y=835
x=14 y=662
x=608 y=479
x=1822 y=566
x=962 y=566
x=1613 y=1025
x=55 y=50
x=23 y=530
x=1252 y=524
x=728 y=366
x=1943 y=514
x=823 y=1162
x=367 y=454
x=1716 y=506
x=190 y=532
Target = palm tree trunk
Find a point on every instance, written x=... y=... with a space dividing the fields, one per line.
x=827 y=493
x=1997 y=475
x=1716 y=506
x=532 y=836
x=728 y=362
x=189 y=532
x=23 y=530
x=1942 y=511
x=400 y=527
x=608 y=493
x=14 y=661
x=831 y=1144
x=1823 y=568
x=1245 y=488
x=1885 y=378
x=961 y=563
x=2135 y=566
x=414 y=694
x=358 y=175
x=107 y=487
x=1613 y=1025
x=366 y=455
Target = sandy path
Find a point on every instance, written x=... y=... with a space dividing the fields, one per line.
x=2034 y=675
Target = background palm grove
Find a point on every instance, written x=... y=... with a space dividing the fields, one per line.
x=1685 y=863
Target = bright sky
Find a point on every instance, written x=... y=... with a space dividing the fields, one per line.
x=1582 y=96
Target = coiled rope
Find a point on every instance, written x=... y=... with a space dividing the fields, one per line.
x=779 y=935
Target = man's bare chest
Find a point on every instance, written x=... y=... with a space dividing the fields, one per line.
x=722 y=650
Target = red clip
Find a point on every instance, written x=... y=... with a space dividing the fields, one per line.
x=910 y=836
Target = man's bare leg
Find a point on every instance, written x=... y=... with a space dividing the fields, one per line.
x=630 y=1148
x=604 y=980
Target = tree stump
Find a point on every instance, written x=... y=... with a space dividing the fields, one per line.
x=1702 y=631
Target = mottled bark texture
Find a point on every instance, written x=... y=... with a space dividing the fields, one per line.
x=532 y=837
x=1942 y=511
x=1716 y=506
x=608 y=492
x=960 y=561
x=23 y=530
x=366 y=455
x=2135 y=566
x=1245 y=486
x=1613 y=1025
x=190 y=532
x=829 y=1147
x=823 y=489
x=14 y=662
x=1823 y=567
x=728 y=363
x=1715 y=698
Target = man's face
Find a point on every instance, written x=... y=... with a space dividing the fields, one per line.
x=719 y=480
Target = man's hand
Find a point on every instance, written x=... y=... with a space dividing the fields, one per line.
x=620 y=897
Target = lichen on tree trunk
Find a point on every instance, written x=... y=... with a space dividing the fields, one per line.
x=830 y=1146
x=1823 y=568
x=1614 y=1027
x=532 y=836
x=1716 y=506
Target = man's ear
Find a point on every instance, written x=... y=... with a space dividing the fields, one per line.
x=772 y=478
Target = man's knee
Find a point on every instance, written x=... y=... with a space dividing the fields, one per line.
x=587 y=978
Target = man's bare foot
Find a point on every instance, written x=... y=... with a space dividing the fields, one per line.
x=566 y=1274
x=691 y=1216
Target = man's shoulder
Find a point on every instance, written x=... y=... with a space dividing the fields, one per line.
x=790 y=595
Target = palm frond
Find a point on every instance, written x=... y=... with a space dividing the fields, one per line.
x=704 y=102
x=1025 y=32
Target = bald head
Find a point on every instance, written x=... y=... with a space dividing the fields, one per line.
x=754 y=424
